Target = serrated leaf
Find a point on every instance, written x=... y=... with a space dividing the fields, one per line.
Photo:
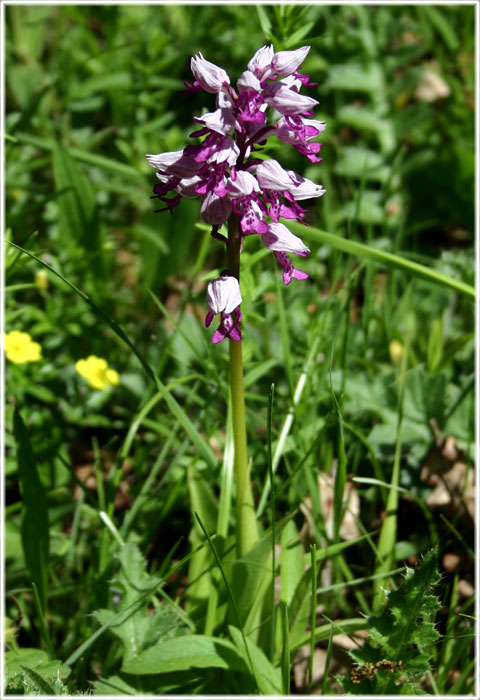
x=137 y=628
x=32 y=667
x=404 y=632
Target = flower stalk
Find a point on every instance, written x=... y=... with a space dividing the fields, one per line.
x=247 y=531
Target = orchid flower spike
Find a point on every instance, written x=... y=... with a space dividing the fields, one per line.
x=224 y=169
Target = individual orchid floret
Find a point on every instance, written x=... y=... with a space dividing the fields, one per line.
x=279 y=238
x=260 y=63
x=209 y=76
x=221 y=121
x=298 y=132
x=304 y=188
x=214 y=209
x=287 y=101
x=224 y=298
x=271 y=175
x=173 y=163
x=248 y=80
x=289 y=272
x=287 y=62
x=243 y=185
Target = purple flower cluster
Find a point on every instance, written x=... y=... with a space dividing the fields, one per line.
x=232 y=181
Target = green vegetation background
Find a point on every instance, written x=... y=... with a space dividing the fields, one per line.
x=90 y=91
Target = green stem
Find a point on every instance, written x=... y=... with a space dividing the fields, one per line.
x=247 y=532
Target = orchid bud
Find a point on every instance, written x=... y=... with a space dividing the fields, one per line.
x=210 y=77
x=286 y=62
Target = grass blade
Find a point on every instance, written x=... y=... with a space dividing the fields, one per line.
x=34 y=527
x=382 y=257
x=42 y=623
x=313 y=614
x=327 y=663
x=285 y=657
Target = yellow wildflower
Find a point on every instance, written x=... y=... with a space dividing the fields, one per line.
x=97 y=373
x=396 y=351
x=20 y=348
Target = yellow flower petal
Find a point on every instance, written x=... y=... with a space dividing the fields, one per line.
x=20 y=348
x=97 y=373
x=113 y=377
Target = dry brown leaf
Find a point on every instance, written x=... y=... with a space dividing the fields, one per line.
x=451 y=479
x=349 y=529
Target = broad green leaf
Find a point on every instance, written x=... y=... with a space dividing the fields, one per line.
x=203 y=502
x=361 y=118
x=300 y=601
x=297 y=36
x=182 y=653
x=114 y=685
x=267 y=677
x=438 y=19
x=100 y=83
x=341 y=473
x=292 y=562
x=452 y=348
x=356 y=77
x=363 y=164
x=34 y=527
x=323 y=632
x=250 y=577
x=264 y=20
